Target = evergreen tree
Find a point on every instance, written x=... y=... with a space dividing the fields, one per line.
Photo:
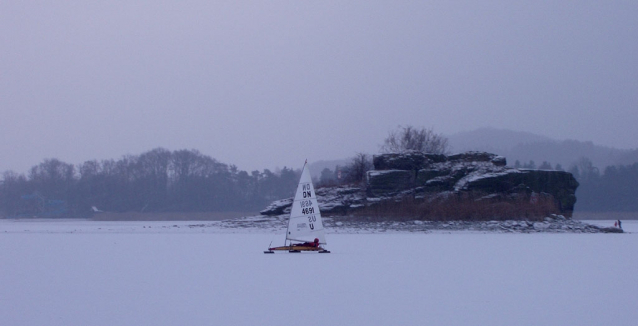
x=545 y=166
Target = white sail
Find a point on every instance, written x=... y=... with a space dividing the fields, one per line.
x=305 y=219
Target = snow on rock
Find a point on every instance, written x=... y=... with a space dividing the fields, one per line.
x=467 y=172
x=278 y=207
x=412 y=160
x=332 y=201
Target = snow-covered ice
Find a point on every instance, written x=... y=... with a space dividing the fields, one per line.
x=184 y=273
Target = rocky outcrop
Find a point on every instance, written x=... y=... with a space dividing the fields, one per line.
x=381 y=183
x=406 y=161
x=425 y=175
x=561 y=185
x=478 y=172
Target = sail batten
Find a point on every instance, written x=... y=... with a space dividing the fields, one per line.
x=305 y=222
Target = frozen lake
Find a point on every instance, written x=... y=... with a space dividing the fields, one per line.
x=167 y=273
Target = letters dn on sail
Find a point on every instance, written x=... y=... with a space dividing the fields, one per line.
x=306 y=191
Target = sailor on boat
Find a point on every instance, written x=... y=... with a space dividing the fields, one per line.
x=308 y=244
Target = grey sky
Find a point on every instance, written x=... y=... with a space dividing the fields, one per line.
x=263 y=84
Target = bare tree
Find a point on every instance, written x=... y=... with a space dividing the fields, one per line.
x=409 y=138
x=356 y=171
x=53 y=178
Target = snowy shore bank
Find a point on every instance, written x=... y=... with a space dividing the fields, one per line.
x=261 y=224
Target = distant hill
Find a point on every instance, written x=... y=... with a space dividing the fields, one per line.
x=492 y=140
x=318 y=166
x=524 y=146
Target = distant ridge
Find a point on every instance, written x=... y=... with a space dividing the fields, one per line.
x=521 y=146
x=525 y=146
x=492 y=138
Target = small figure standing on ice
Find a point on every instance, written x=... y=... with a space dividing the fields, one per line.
x=619 y=224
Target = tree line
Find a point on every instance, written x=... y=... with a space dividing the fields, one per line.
x=174 y=181
x=188 y=181
x=613 y=190
x=155 y=181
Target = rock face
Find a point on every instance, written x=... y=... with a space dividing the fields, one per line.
x=406 y=161
x=381 y=183
x=561 y=185
x=422 y=175
x=466 y=172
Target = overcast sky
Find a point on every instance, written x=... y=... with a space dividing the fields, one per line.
x=265 y=84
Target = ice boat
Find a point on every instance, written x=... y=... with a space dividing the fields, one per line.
x=305 y=229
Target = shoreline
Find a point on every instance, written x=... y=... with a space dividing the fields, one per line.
x=260 y=224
